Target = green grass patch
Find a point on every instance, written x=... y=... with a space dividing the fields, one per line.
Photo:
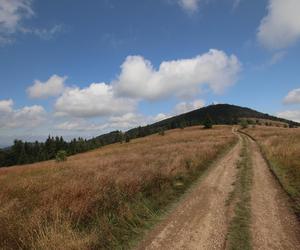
x=239 y=234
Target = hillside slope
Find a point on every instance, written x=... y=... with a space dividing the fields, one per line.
x=220 y=114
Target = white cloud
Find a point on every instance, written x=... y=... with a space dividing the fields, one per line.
x=160 y=117
x=184 y=107
x=127 y=121
x=293 y=97
x=12 y=15
x=26 y=117
x=54 y=86
x=281 y=27
x=6 y=106
x=139 y=79
x=12 y=12
x=122 y=122
x=80 y=125
x=180 y=108
x=293 y=115
x=96 y=100
x=189 y=5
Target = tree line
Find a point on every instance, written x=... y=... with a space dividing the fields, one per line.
x=29 y=152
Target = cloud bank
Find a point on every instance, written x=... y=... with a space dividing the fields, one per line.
x=26 y=117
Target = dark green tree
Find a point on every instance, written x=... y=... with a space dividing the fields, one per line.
x=208 y=123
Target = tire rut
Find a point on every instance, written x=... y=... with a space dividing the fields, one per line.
x=274 y=226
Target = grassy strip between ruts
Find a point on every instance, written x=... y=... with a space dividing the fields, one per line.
x=239 y=234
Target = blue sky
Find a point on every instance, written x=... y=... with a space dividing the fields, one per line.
x=82 y=68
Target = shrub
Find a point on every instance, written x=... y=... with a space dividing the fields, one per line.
x=208 y=122
x=61 y=156
x=244 y=124
x=161 y=132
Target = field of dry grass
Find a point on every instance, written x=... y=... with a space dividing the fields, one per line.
x=102 y=199
x=281 y=147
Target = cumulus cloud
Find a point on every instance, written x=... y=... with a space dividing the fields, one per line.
x=6 y=106
x=281 y=26
x=26 y=117
x=184 y=107
x=96 y=100
x=293 y=97
x=139 y=79
x=52 y=87
x=293 y=115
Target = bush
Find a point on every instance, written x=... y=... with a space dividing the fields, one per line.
x=161 y=132
x=61 y=156
x=244 y=124
x=208 y=122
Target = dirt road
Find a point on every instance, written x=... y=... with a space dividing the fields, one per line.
x=274 y=226
x=200 y=220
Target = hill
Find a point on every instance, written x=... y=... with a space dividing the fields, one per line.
x=219 y=114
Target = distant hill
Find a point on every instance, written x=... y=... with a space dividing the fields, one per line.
x=219 y=114
x=29 y=152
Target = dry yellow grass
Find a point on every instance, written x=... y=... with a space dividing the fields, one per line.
x=281 y=147
x=100 y=199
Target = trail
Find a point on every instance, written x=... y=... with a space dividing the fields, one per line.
x=274 y=226
x=200 y=220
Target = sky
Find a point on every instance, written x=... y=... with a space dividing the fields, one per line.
x=83 y=68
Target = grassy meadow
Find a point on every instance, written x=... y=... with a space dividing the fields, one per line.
x=103 y=199
x=281 y=147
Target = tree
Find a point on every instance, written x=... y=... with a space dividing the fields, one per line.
x=61 y=156
x=127 y=138
x=182 y=124
x=208 y=122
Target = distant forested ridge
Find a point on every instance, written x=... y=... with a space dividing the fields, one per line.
x=28 y=152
